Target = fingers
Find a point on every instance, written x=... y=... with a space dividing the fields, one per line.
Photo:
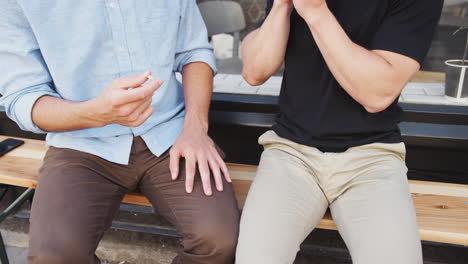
x=141 y=108
x=126 y=112
x=204 y=174
x=203 y=157
x=140 y=93
x=216 y=173
x=190 y=166
x=223 y=167
x=153 y=85
x=174 y=163
x=133 y=81
x=135 y=114
x=143 y=117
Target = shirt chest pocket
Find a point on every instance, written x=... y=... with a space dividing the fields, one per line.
x=159 y=28
x=158 y=17
x=164 y=21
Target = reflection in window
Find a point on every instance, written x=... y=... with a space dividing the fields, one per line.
x=447 y=46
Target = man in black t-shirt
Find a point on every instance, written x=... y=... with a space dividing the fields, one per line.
x=336 y=142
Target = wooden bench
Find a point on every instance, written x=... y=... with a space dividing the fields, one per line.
x=442 y=209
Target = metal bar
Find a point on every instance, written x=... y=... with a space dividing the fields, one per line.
x=440 y=244
x=435 y=114
x=4 y=190
x=17 y=203
x=3 y=253
x=325 y=251
x=148 y=229
x=243 y=119
x=236 y=44
x=136 y=208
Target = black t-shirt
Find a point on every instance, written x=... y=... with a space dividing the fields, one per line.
x=314 y=109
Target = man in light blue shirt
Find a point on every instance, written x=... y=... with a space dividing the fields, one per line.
x=82 y=72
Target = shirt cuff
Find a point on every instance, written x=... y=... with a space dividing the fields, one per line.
x=22 y=111
x=201 y=55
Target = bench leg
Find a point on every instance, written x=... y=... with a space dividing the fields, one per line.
x=4 y=189
x=26 y=195
x=3 y=254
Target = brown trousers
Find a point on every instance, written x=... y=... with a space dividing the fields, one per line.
x=78 y=195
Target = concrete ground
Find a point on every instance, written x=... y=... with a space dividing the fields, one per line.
x=120 y=246
x=322 y=247
x=17 y=255
x=116 y=246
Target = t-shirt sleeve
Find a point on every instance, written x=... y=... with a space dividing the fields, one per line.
x=408 y=28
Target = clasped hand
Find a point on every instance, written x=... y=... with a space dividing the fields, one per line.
x=309 y=10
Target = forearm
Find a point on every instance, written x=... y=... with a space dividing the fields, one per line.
x=198 y=86
x=263 y=50
x=127 y=101
x=57 y=115
x=367 y=77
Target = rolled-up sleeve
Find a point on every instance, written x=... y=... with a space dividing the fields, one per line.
x=24 y=77
x=192 y=42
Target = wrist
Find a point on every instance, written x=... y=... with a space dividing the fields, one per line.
x=90 y=113
x=196 y=122
x=320 y=16
x=282 y=9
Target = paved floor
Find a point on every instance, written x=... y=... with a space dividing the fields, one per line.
x=17 y=255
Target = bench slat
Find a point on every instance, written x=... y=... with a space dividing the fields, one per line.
x=442 y=208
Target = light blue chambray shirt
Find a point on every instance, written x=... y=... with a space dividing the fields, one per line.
x=74 y=49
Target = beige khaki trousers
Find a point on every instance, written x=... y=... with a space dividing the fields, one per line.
x=366 y=189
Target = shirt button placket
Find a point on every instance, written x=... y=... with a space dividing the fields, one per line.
x=118 y=33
